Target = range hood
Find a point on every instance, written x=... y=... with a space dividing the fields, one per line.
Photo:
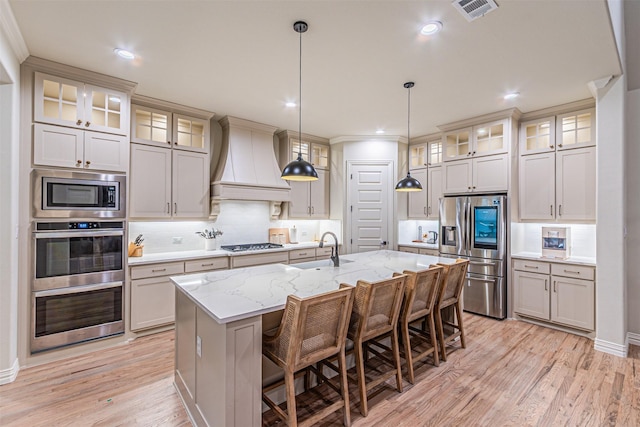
x=247 y=169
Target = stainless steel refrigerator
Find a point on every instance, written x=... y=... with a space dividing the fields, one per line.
x=475 y=227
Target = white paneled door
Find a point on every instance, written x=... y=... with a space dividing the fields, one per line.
x=370 y=207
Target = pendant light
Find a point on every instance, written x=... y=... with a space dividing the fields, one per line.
x=299 y=169
x=409 y=183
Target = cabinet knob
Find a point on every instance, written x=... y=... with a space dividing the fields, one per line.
x=79 y=122
x=78 y=163
x=474 y=187
x=468 y=188
x=473 y=153
x=559 y=145
x=175 y=143
x=551 y=146
x=169 y=142
x=469 y=153
x=87 y=163
x=87 y=124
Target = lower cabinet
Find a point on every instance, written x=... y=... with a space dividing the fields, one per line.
x=555 y=292
x=153 y=293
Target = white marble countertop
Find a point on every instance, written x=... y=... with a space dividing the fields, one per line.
x=571 y=260
x=423 y=245
x=188 y=255
x=230 y=295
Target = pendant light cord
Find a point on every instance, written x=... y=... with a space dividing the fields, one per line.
x=300 y=102
x=409 y=131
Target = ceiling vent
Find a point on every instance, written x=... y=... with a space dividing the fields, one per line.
x=474 y=9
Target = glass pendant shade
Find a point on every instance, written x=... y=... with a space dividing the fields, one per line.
x=299 y=169
x=408 y=184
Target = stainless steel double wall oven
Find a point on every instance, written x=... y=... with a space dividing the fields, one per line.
x=78 y=258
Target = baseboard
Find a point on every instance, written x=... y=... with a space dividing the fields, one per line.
x=633 y=338
x=619 y=350
x=9 y=375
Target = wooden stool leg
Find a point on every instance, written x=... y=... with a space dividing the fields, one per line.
x=289 y=381
x=362 y=386
x=459 y=316
x=441 y=334
x=434 y=339
x=407 y=351
x=396 y=356
x=344 y=388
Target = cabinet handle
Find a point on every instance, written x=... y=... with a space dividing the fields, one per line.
x=313 y=210
x=302 y=254
x=157 y=270
x=175 y=208
x=87 y=124
x=168 y=208
x=551 y=210
x=560 y=210
x=79 y=122
x=545 y=285
x=551 y=146
x=429 y=210
x=87 y=163
x=531 y=266
x=554 y=286
x=572 y=272
x=559 y=145
x=78 y=163
x=207 y=265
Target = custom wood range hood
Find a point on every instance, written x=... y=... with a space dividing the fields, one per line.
x=247 y=169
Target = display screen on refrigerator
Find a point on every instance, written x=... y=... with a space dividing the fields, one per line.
x=485 y=225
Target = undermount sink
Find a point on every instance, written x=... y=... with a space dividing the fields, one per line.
x=319 y=264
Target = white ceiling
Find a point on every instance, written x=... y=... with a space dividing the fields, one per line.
x=241 y=57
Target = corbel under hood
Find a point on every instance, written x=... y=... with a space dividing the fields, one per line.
x=247 y=169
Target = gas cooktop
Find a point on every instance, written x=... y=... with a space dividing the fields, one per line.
x=250 y=247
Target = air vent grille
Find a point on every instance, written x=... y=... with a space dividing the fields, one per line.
x=474 y=9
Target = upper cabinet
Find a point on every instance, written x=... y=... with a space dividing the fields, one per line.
x=478 y=140
x=71 y=103
x=557 y=167
x=165 y=128
x=427 y=153
x=425 y=157
x=313 y=149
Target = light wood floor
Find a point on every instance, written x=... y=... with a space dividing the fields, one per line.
x=511 y=374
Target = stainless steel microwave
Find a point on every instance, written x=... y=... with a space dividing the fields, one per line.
x=66 y=194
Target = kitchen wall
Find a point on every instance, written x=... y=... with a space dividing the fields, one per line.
x=633 y=211
x=240 y=222
x=408 y=230
x=527 y=237
x=9 y=161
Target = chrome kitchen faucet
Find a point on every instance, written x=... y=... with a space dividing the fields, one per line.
x=334 y=258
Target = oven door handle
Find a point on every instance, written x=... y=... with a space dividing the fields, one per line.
x=65 y=234
x=76 y=289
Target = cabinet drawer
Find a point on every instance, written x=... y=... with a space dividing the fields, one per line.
x=155 y=270
x=432 y=252
x=325 y=252
x=408 y=249
x=532 y=266
x=574 y=271
x=302 y=253
x=206 y=264
x=259 y=259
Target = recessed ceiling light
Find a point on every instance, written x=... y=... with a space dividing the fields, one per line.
x=290 y=104
x=123 y=53
x=512 y=95
x=380 y=131
x=431 y=27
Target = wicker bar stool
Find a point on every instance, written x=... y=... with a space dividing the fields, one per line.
x=420 y=294
x=312 y=329
x=451 y=289
x=376 y=308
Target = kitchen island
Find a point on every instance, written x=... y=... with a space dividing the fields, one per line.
x=219 y=316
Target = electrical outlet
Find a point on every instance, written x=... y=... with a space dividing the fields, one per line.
x=177 y=240
x=199 y=346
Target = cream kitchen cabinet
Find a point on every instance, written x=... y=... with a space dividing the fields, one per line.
x=420 y=251
x=435 y=189
x=559 y=293
x=297 y=256
x=74 y=104
x=427 y=151
x=483 y=174
x=313 y=149
x=558 y=185
x=169 y=128
x=79 y=149
x=250 y=259
x=166 y=183
x=310 y=199
x=479 y=140
x=576 y=129
x=425 y=160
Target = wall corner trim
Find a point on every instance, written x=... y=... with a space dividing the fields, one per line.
x=11 y=29
x=9 y=375
x=619 y=350
x=633 y=338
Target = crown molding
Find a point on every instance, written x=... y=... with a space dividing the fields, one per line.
x=510 y=113
x=559 y=109
x=362 y=138
x=14 y=35
x=147 y=101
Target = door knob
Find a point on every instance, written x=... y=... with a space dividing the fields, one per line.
x=383 y=243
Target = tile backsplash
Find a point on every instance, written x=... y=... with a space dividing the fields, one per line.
x=240 y=221
x=527 y=237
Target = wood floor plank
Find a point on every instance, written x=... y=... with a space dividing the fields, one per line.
x=512 y=373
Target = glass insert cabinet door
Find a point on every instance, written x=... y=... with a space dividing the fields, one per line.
x=576 y=129
x=190 y=133
x=537 y=136
x=489 y=138
x=105 y=109
x=457 y=144
x=304 y=148
x=320 y=156
x=150 y=125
